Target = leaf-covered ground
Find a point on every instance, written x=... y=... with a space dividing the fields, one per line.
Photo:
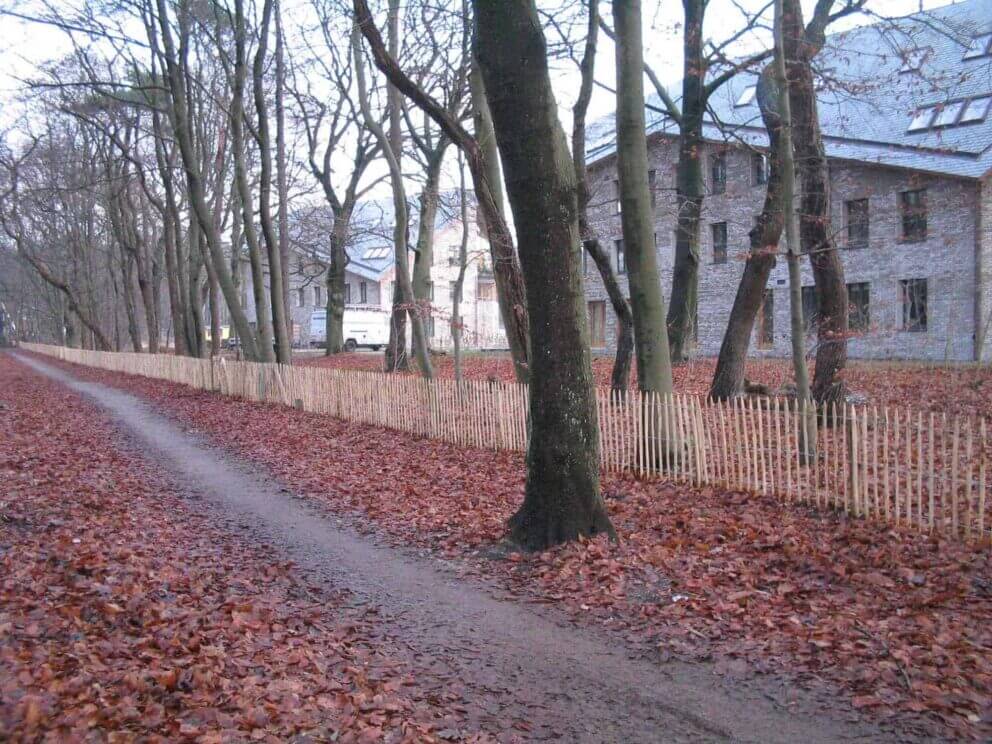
x=963 y=390
x=896 y=621
x=126 y=614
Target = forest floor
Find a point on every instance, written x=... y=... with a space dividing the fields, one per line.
x=723 y=602
x=951 y=389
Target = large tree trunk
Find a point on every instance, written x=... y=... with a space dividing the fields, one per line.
x=282 y=176
x=334 y=322
x=562 y=499
x=277 y=283
x=424 y=253
x=728 y=378
x=814 y=208
x=620 y=378
x=690 y=185
x=654 y=367
x=788 y=166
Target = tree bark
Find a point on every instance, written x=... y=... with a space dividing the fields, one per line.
x=728 y=378
x=788 y=165
x=620 y=377
x=814 y=209
x=562 y=497
x=277 y=283
x=424 y=255
x=690 y=184
x=654 y=367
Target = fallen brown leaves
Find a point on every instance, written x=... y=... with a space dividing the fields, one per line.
x=898 y=621
x=126 y=614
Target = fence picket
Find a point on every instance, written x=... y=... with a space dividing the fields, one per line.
x=937 y=482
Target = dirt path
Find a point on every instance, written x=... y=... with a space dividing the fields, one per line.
x=577 y=684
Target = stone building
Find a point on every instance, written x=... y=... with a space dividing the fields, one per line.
x=907 y=126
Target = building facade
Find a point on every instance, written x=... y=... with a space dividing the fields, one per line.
x=370 y=279
x=910 y=173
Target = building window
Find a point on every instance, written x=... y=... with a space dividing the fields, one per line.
x=621 y=257
x=858 y=300
x=652 y=177
x=363 y=293
x=616 y=193
x=811 y=308
x=597 y=323
x=429 y=326
x=913 y=209
x=856 y=216
x=318 y=297
x=718 y=172
x=914 y=304
x=719 y=242
x=454 y=255
x=301 y=297
x=485 y=291
x=347 y=294
x=759 y=169
x=766 y=321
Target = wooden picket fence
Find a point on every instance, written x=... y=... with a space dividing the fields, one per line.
x=925 y=471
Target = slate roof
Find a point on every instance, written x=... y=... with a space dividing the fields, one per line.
x=372 y=228
x=867 y=101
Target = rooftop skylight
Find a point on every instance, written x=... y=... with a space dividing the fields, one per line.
x=373 y=253
x=976 y=110
x=949 y=114
x=921 y=121
x=746 y=96
x=953 y=113
x=981 y=46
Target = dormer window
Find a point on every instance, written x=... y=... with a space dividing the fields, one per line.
x=948 y=114
x=913 y=60
x=376 y=253
x=951 y=114
x=981 y=46
x=921 y=121
x=746 y=96
x=976 y=110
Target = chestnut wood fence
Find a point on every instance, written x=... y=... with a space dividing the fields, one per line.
x=921 y=470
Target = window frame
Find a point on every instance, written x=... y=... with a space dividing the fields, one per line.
x=766 y=320
x=718 y=165
x=621 y=257
x=855 y=311
x=811 y=307
x=721 y=257
x=759 y=169
x=596 y=313
x=363 y=293
x=907 y=288
x=913 y=219
x=857 y=242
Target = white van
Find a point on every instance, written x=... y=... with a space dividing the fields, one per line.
x=365 y=327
